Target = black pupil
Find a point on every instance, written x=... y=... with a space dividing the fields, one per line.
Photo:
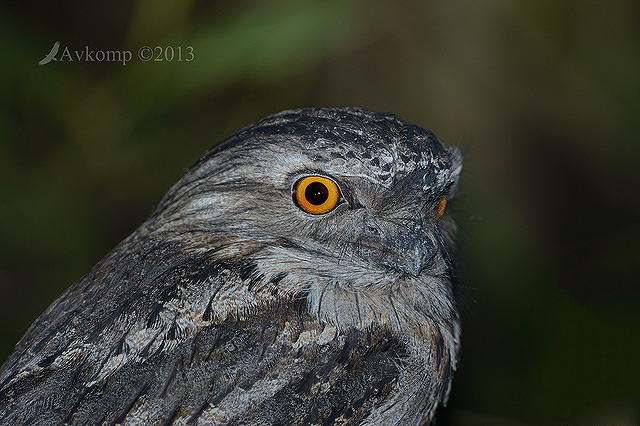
x=316 y=193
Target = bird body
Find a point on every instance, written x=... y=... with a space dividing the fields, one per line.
x=233 y=304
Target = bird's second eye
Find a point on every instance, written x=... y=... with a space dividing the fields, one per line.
x=441 y=207
x=316 y=194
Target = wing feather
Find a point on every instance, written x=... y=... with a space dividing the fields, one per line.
x=110 y=364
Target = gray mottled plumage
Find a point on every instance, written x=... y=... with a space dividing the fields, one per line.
x=232 y=305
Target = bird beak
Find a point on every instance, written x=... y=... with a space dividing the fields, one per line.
x=411 y=254
x=408 y=253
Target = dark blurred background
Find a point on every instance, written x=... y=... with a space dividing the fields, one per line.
x=543 y=97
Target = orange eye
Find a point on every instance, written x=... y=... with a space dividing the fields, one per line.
x=316 y=194
x=441 y=207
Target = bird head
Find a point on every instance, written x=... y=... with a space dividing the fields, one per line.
x=338 y=198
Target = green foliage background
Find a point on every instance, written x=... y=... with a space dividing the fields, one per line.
x=543 y=97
